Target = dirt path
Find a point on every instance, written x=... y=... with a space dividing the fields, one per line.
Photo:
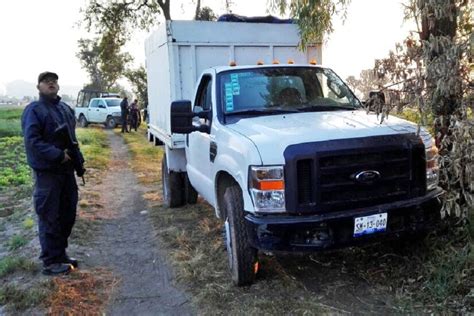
x=126 y=243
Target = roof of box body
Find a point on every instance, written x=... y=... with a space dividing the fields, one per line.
x=225 y=33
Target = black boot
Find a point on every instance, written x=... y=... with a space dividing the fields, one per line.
x=57 y=269
x=70 y=260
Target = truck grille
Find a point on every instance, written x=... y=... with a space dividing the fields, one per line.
x=321 y=176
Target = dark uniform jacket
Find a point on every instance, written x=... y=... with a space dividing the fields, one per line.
x=40 y=118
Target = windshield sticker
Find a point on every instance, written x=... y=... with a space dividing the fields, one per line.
x=228 y=89
x=234 y=78
x=229 y=103
x=235 y=88
x=229 y=97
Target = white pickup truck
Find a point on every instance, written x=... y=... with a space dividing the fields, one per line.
x=100 y=110
x=284 y=152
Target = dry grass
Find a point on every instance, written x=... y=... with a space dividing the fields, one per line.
x=146 y=158
x=81 y=293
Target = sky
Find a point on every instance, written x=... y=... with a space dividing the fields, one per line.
x=42 y=35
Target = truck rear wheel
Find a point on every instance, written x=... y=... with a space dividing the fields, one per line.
x=243 y=259
x=83 y=121
x=173 y=186
x=190 y=193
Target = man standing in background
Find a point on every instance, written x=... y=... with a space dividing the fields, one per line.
x=134 y=115
x=124 y=113
x=55 y=193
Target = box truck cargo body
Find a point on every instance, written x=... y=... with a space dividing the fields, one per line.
x=280 y=146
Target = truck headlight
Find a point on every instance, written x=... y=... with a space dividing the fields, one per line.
x=267 y=188
x=432 y=169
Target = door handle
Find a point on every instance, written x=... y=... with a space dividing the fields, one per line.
x=97 y=110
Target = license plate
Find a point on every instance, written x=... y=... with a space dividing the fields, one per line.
x=370 y=224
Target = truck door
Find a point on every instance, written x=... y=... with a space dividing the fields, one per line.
x=199 y=145
x=93 y=111
x=102 y=113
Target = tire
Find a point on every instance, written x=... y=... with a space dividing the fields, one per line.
x=243 y=259
x=190 y=193
x=83 y=121
x=173 y=186
x=110 y=122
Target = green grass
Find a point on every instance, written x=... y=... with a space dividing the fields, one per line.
x=19 y=299
x=28 y=223
x=11 y=264
x=14 y=170
x=94 y=146
x=10 y=121
x=9 y=113
x=17 y=241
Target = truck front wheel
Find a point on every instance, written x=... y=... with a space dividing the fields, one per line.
x=243 y=259
x=173 y=186
x=190 y=192
x=110 y=122
x=83 y=121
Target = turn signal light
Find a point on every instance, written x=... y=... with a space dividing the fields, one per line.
x=269 y=185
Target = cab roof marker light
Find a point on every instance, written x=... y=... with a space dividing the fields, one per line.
x=275 y=62
x=313 y=61
x=260 y=62
x=232 y=63
x=291 y=61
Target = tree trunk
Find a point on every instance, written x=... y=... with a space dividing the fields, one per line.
x=198 y=9
x=434 y=29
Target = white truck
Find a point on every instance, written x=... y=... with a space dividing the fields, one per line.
x=104 y=110
x=284 y=152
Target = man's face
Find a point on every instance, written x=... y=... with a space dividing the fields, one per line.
x=49 y=87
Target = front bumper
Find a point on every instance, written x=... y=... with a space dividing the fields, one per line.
x=335 y=230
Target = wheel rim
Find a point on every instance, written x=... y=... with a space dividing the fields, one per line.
x=111 y=123
x=83 y=121
x=228 y=242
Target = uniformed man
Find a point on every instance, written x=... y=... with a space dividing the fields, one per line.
x=55 y=193
x=124 y=114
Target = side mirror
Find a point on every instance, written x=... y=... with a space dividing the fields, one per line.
x=102 y=106
x=182 y=118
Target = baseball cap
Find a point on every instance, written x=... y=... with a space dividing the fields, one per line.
x=47 y=74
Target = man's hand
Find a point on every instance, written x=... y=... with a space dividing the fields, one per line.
x=66 y=157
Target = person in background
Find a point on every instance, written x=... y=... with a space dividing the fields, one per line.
x=124 y=111
x=55 y=193
x=134 y=115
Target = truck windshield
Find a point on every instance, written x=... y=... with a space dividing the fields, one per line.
x=113 y=102
x=279 y=90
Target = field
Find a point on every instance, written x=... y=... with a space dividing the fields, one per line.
x=23 y=289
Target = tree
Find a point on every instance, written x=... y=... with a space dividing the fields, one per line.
x=367 y=82
x=88 y=55
x=138 y=79
x=433 y=65
x=103 y=60
x=205 y=14
x=314 y=17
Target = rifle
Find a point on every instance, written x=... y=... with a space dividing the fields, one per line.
x=63 y=133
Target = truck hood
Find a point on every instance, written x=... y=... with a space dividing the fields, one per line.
x=272 y=134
